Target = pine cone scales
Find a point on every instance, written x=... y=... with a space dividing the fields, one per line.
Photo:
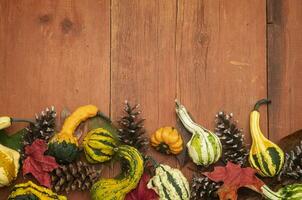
x=43 y=128
x=293 y=164
x=203 y=188
x=232 y=139
x=132 y=127
x=74 y=176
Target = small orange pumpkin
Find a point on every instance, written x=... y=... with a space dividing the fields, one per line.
x=167 y=140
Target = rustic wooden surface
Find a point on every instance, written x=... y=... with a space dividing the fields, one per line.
x=211 y=55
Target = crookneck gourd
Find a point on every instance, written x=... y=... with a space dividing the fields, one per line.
x=204 y=146
x=99 y=145
x=9 y=165
x=117 y=188
x=64 y=145
x=31 y=191
x=265 y=156
x=167 y=140
x=6 y=121
x=169 y=183
x=288 y=192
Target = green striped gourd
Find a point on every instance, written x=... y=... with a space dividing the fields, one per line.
x=117 y=188
x=288 y=192
x=31 y=191
x=265 y=156
x=99 y=145
x=169 y=183
x=204 y=146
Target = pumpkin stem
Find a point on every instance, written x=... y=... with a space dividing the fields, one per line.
x=260 y=102
x=163 y=148
x=22 y=120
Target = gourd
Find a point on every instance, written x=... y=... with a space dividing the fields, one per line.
x=117 y=188
x=288 y=192
x=265 y=156
x=31 y=191
x=169 y=183
x=204 y=146
x=6 y=121
x=99 y=145
x=9 y=165
x=167 y=140
x=64 y=145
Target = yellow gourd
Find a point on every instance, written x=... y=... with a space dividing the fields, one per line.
x=9 y=165
x=167 y=140
x=265 y=156
x=64 y=145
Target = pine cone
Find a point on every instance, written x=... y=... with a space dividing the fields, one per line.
x=43 y=128
x=74 y=176
x=132 y=130
x=293 y=164
x=231 y=137
x=203 y=188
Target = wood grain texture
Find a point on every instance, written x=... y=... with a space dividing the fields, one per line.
x=221 y=59
x=54 y=53
x=209 y=54
x=143 y=65
x=284 y=67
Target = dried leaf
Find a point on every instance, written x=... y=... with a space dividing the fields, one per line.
x=234 y=177
x=38 y=164
x=142 y=192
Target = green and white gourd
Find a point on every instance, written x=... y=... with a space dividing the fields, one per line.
x=169 y=183
x=204 y=146
x=288 y=192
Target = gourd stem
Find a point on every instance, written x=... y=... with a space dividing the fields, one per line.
x=260 y=102
x=177 y=103
x=22 y=120
x=154 y=162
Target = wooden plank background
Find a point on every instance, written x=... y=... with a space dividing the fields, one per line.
x=212 y=55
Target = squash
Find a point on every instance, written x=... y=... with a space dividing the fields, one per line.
x=265 y=156
x=169 y=183
x=288 y=192
x=64 y=145
x=31 y=191
x=9 y=165
x=99 y=145
x=6 y=121
x=204 y=146
x=167 y=140
x=117 y=188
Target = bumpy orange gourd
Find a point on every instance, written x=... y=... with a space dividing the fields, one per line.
x=167 y=140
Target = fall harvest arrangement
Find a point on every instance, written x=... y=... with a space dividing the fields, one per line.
x=61 y=160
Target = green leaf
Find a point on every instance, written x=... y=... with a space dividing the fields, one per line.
x=13 y=141
x=102 y=121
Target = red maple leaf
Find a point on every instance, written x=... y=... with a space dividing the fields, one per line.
x=234 y=177
x=142 y=192
x=38 y=164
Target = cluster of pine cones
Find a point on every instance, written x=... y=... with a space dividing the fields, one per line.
x=74 y=176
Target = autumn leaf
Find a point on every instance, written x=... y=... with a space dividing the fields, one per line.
x=234 y=177
x=38 y=164
x=142 y=192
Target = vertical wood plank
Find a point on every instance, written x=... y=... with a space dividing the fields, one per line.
x=221 y=59
x=143 y=61
x=54 y=53
x=284 y=67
